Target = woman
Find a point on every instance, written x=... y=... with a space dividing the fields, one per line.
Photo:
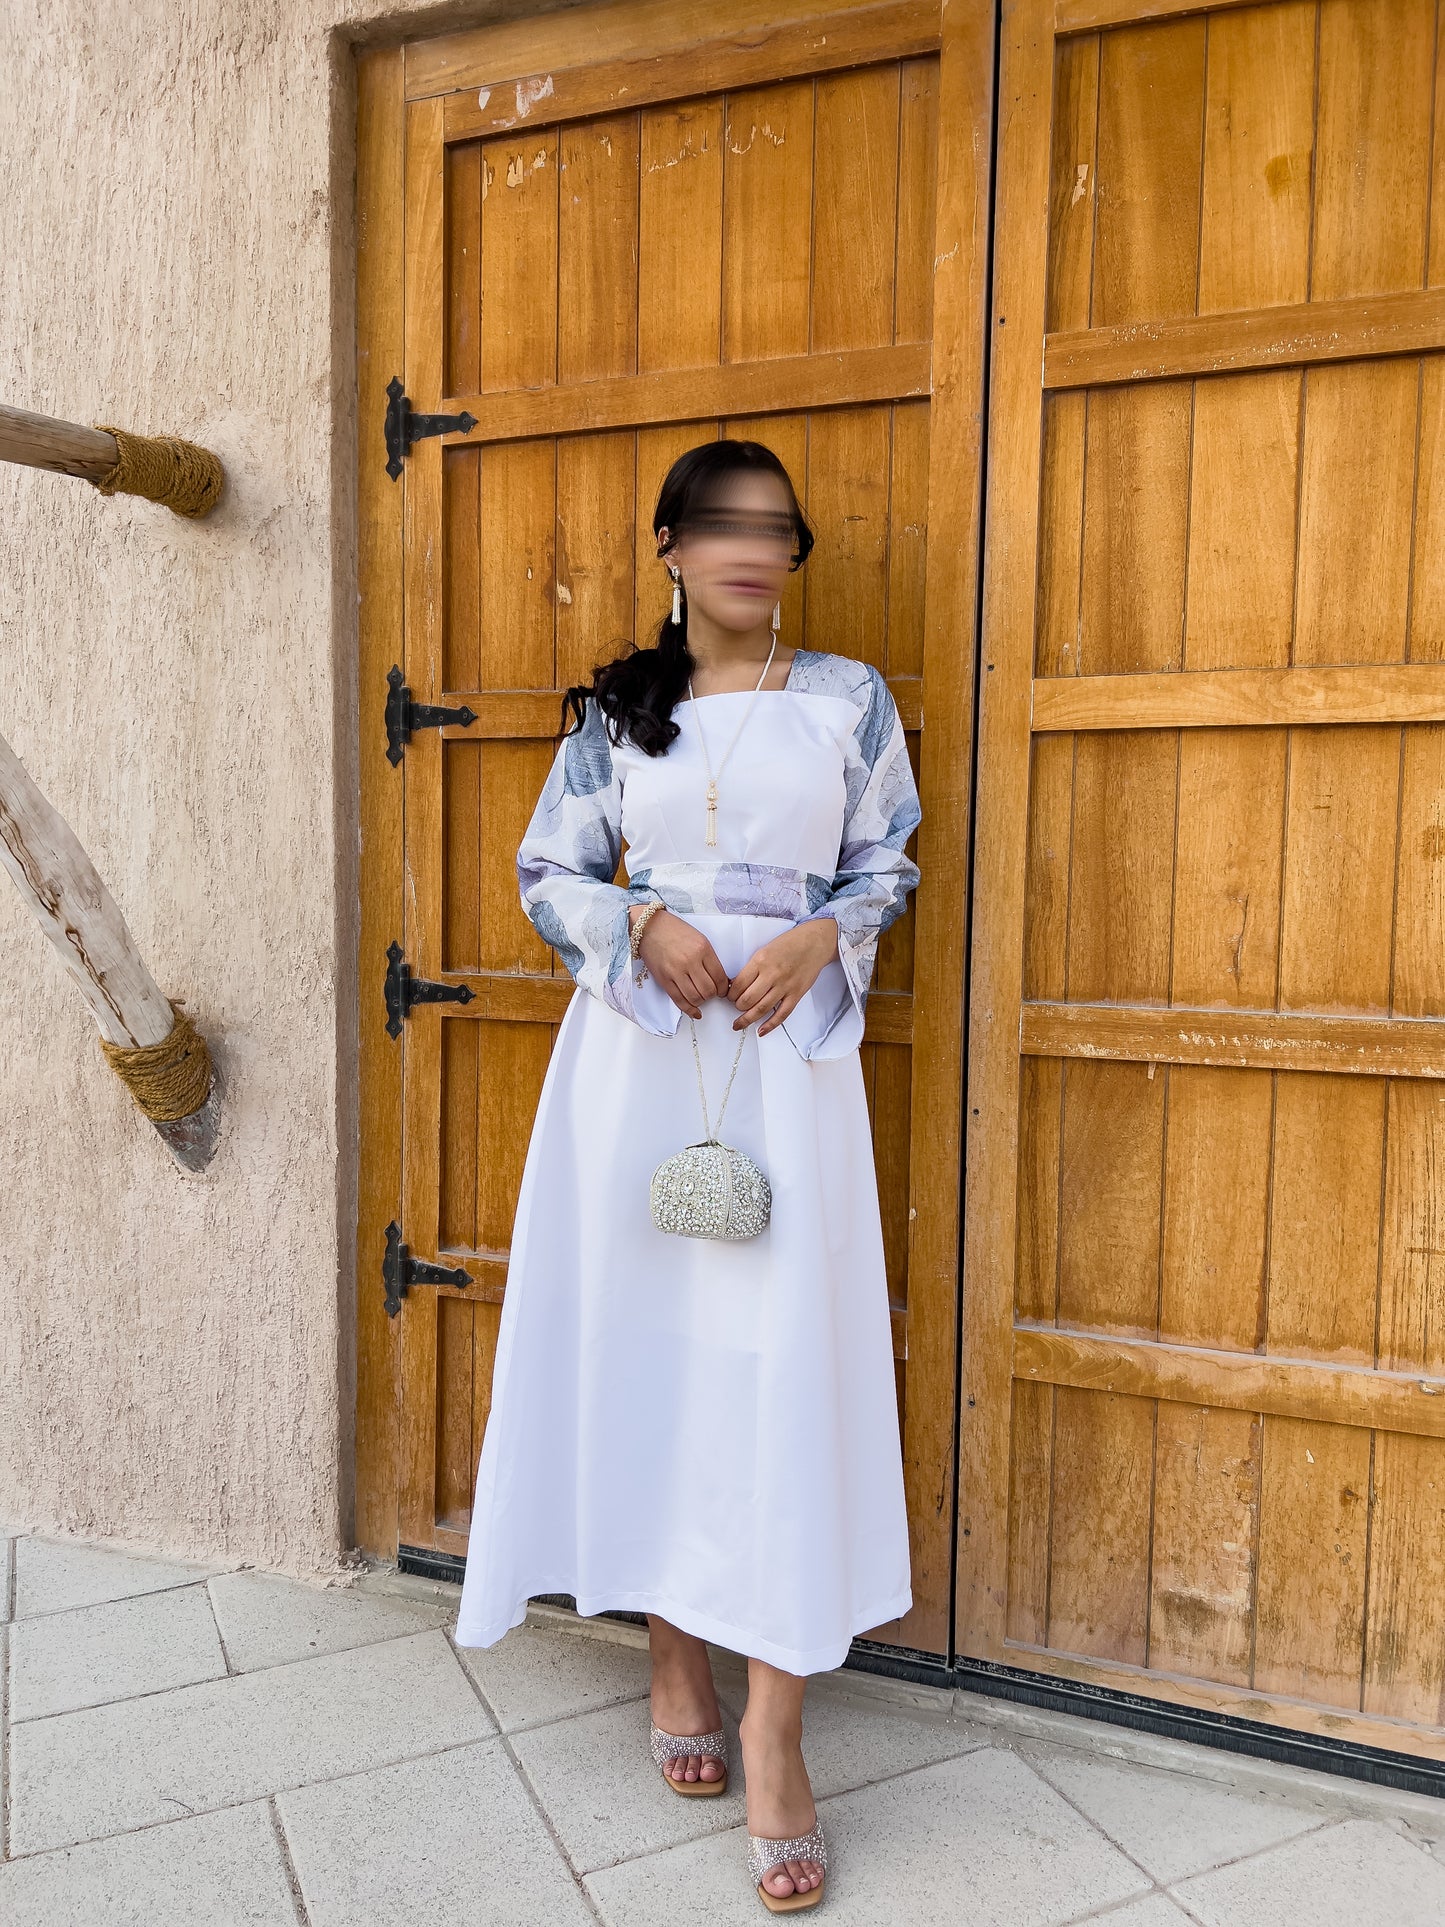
x=699 y=1430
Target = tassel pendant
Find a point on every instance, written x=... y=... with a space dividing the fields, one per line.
x=712 y=813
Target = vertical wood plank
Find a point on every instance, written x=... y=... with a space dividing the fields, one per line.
x=1243 y=496
x=597 y=248
x=1339 y=868
x=1314 y=1504
x=848 y=499
x=1427 y=577
x=1227 y=867
x=1040 y=1153
x=680 y=193
x=1109 y=1213
x=1258 y=146
x=1418 y=983
x=519 y=260
x=1405 y=1632
x=1121 y=866
x=421 y=771
x=595 y=550
x=1356 y=501
x=917 y=190
x=767 y=220
x=1103 y=1460
x=1376 y=74
x=1216 y=1207
x=1201 y=1580
x=1151 y=127
x=1324 y=1247
x=1412 y=1265
x=1010 y=576
x=380 y=334
x=855 y=218
x=942 y=842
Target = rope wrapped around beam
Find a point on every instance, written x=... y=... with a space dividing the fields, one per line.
x=170 y=1079
x=163 y=468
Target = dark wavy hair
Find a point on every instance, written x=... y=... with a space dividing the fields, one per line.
x=636 y=691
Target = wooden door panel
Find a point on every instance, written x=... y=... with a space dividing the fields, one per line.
x=628 y=233
x=1206 y=987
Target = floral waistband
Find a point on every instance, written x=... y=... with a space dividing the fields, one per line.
x=733 y=889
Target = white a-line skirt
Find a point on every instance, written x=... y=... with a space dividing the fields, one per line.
x=700 y=1429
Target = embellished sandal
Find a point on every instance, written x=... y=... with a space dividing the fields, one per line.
x=673 y=1746
x=764 y=1855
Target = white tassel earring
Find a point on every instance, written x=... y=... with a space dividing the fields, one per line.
x=777 y=614
x=676 y=598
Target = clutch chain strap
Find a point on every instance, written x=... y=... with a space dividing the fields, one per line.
x=710 y=1131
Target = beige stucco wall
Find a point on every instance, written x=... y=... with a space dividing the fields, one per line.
x=176 y=1352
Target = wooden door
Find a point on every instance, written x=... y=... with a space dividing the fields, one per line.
x=627 y=231
x=1203 y=1452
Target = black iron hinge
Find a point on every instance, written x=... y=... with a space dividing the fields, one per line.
x=403 y=991
x=403 y=715
x=399 y=1269
x=404 y=426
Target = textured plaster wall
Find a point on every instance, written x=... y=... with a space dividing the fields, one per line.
x=176 y=180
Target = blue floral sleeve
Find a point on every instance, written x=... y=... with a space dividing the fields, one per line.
x=874 y=876
x=566 y=865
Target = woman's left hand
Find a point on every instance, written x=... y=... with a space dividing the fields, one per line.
x=782 y=972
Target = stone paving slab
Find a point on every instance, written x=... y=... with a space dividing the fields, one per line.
x=352 y=1765
x=1172 y=1823
x=979 y=1839
x=267 y=1619
x=93 y=1654
x=594 y=1774
x=220 y=1870
x=849 y=1739
x=82 y=1775
x=530 y=1677
x=455 y=1837
x=54 y=1575
x=1154 y=1910
x=1338 y=1876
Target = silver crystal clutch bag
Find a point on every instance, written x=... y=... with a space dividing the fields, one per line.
x=710 y=1190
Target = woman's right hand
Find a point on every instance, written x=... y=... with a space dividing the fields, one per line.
x=682 y=960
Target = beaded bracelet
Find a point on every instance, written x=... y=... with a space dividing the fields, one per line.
x=637 y=930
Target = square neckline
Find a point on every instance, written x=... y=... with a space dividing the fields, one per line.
x=784 y=690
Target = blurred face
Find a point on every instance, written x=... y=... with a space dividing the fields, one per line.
x=734 y=553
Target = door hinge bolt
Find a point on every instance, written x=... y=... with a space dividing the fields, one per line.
x=403 y=991
x=399 y=1270
x=404 y=426
x=403 y=715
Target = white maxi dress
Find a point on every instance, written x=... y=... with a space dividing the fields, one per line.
x=702 y=1429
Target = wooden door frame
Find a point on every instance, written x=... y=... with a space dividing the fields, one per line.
x=380 y=252
x=386 y=78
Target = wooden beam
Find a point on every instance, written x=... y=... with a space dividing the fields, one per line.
x=1361 y=327
x=676 y=33
x=1085 y=16
x=532 y=715
x=1238 y=1381
x=1228 y=698
x=508 y=996
x=848 y=38
x=1239 y=1039
x=64 y=892
x=65 y=448
x=1238 y=1702
x=786 y=384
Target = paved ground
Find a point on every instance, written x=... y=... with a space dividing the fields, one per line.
x=210 y=1748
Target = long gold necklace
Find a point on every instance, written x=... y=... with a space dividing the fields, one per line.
x=712 y=775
